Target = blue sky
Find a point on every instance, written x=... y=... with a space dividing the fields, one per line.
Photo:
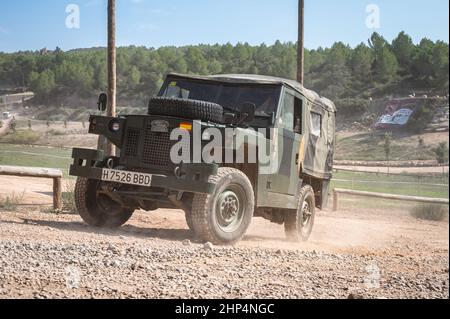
x=32 y=25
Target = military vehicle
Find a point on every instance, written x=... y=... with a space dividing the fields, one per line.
x=219 y=197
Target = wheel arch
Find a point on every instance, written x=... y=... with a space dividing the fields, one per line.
x=320 y=187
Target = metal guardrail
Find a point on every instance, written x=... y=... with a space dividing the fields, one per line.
x=54 y=174
x=338 y=191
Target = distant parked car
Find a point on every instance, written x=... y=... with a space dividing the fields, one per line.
x=7 y=115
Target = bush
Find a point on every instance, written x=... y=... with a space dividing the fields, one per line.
x=68 y=199
x=10 y=203
x=76 y=114
x=13 y=125
x=420 y=119
x=431 y=212
x=21 y=137
x=441 y=153
x=352 y=106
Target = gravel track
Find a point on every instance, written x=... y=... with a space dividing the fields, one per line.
x=370 y=253
x=44 y=255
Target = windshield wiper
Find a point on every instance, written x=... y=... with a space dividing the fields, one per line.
x=264 y=115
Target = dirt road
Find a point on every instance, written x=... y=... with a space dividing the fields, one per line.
x=372 y=252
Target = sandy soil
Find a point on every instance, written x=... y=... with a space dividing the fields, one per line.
x=155 y=256
x=30 y=191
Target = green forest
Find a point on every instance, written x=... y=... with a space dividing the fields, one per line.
x=349 y=76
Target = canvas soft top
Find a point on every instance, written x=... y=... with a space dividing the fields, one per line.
x=262 y=79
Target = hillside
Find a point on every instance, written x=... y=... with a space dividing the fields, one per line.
x=349 y=76
x=360 y=80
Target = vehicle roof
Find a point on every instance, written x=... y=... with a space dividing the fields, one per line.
x=263 y=79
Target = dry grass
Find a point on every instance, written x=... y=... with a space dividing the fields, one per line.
x=68 y=199
x=430 y=212
x=24 y=137
x=11 y=202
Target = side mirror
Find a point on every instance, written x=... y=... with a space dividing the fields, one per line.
x=248 y=111
x=102 y=102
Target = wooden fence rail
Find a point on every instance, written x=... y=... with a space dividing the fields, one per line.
x=54 y=174
x=338 y=191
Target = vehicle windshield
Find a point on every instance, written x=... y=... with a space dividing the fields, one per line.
x=230 y=96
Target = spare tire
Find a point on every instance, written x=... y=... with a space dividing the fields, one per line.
x=188 y=109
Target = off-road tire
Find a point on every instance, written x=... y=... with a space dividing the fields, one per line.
x=294 y=226
x=188 y=217
x=205 y=212
x=89 y=210
x=188 y=109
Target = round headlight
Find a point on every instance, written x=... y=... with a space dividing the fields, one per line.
x=114 y=126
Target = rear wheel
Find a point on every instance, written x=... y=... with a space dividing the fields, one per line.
x=224 y=216
x=298 y=225
x=96 y=208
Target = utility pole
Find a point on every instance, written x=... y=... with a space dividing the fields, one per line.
x=300 y=42
x=112 y=75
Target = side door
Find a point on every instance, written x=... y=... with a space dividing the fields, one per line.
x=287 y=138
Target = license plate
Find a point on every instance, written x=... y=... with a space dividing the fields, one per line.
x=124 y=177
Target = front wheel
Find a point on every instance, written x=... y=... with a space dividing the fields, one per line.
x=298 y=224
x=224 y=216
x=97 y=209
x=188 y=217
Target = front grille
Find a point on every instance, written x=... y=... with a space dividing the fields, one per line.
x=132 y=142
x=156 y=149
x=143 y=148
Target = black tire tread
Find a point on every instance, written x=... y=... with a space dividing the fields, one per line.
x=188 y=109
x=81 y=203
x=189 y=222
x=200 y=207
x=292 y=218
x=80 y=194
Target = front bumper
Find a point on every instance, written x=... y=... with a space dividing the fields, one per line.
x=192 y=178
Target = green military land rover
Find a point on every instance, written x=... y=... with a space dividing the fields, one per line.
x=223 y=149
